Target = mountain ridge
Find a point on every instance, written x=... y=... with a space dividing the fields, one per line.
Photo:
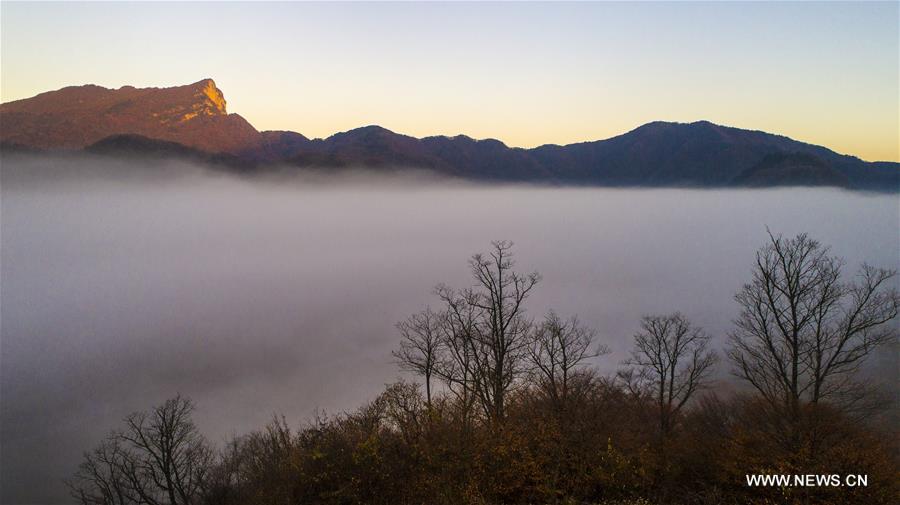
x=114 y=122
x=75 y=117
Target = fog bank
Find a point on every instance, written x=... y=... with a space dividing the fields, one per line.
x=122 y=287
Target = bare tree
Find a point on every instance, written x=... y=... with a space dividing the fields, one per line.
x=420 y=349
x=558 y=349
x=803 y=332
x=670 y=362
x=158 y=459
x=455 y=366
x=489 y=322
x=100 y=479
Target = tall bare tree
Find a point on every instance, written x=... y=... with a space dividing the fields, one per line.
x=804 y=331
x=490 y=319
x=670 y=362
x=421 y=346
x=158 y=459
x=456 y=366
x=558 y=349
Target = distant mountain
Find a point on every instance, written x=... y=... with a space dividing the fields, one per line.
x=78 y=116
x=129 y=121
x=370 y=146
x=699 y=154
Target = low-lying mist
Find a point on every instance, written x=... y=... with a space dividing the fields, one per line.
x=123 y=285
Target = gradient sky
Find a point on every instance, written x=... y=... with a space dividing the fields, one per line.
x=527 y=74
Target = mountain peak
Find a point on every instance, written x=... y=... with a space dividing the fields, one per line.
x=371 y=129
x=211 y=96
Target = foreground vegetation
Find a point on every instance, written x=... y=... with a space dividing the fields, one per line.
x=509 y=410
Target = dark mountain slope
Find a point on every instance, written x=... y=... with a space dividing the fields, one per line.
x=280 y=145
x=486 y=159
x=143 y=148
x=794 y=169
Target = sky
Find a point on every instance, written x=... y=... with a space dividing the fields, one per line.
x=525 y=73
